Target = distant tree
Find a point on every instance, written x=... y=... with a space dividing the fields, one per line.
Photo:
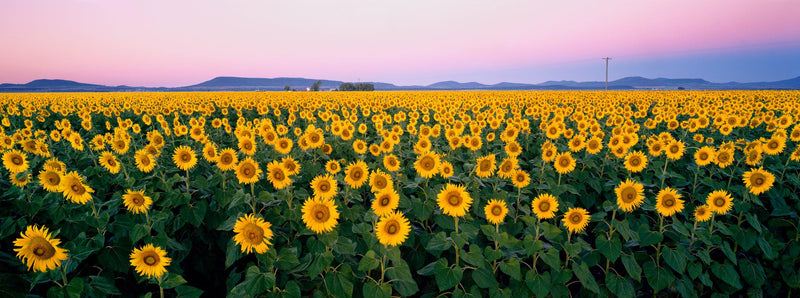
x=357 y=87
x=315 y=86
x=287 y=88
x=346 y=87
x=681 y=88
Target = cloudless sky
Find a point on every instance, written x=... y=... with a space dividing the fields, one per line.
x=184 y=42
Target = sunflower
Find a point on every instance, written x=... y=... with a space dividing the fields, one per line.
x=55 y=165
x=252 y=233
x=380 y=181
x=675 y=149
x=719 y=201
x=333 y=167
x=324 y=186
x=549 y=153
x=702 y=213
x=39 y=250
x=576 y=219
x=485 y=166
x=724 y=158
x=391 y=163
x=283 y=145
x=110 y=162
x=145 y=161
x=704 y=156
x=507 y=167
x=247 y=171
x=545 y=206
x=758 y=180
x=136 y=201
x=495 y=211
x=513 y=149
x=635 y=161
x=184 y=157
x=277 y=175
x=19 y=179
x=564 y=163
x=393 y=229
x=15 y=161
x=320 y=215
x=446 y=169
x=594 y=145
x=73 y=189
x=150 y=261
x=774 y=145
x=668 y=202
x=247 y=146
x=356 y=174
x=227 y=159
x=630 y=195
x=50 y=180
x=210 y=152
x=454 y=200
x=385 y=202
x=427 y=164
x=520 y=179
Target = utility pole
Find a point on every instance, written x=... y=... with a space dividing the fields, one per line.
x=606 y=58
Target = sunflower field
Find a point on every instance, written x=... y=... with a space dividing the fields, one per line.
x=379 y=194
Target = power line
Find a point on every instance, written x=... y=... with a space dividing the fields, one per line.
x=606 y=58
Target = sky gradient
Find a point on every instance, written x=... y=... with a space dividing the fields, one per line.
x=177 y=43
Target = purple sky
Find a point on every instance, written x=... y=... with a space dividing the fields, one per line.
x=176 y=43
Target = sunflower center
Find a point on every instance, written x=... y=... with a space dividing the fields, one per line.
x=42 y=248
x=454 y=199
x=575 y=218
x=321 y=213
x=773 y=145
x=719 y=202
x=137 y=200
x=151 y=259
x=145 y=161
x=385 y=201
x=185 y=157
x=703 y=156
x=324 y=186
x=544 y=206
x=247 y=170
x=674 y=149
x=77 y=188
x=758 y=179
x=427 y=163
x=279 y=175
x=112 y=163
x=635 y=161
x=16 y=160
x=520 y=178
x=53 y=178
x=392 y=227
x=254 y=233
x=392 y=162
x=668 y=201
x=356 y=174
x=226 y=159
x=497 y=210
x=485 y=165
x=506 y=167
x=563 y=162
x=628 y=195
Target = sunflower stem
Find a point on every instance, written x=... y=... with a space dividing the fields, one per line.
x=383 y=267
x=711 y=227
x=64 y=273
x=253 y=197
x=661 y=231
x=124 y=171
x=784 y=168
x=496 y=230
x=559 y=179
x=694 y=184
x=454 y=243
x=611 y=225
x=664 y=172
x=187 y=180
x=516 y=212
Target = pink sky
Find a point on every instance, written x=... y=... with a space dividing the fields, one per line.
x=177 y=43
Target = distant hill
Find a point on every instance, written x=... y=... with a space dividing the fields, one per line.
x=278 y=84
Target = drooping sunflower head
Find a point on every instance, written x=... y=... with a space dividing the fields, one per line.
x=719 y=201
x=454 y=200
x=39 y=250
x=391 y=163
x=635 y=161
x=630 y=195
x=184 y=157
x=19 y=179
x=150 y=261
x=564 y=163
x=324 y=186
x=496 y=211
x=485 y=166
x=227 y=159
x=702 y=213
x=393 y=229
x=247 y=171
x=576 y=219
x=136 y=202
x=73 y=188
x=15 y=161
x=758 y=180
x=668 y=202
x=357 y=174
x=320 y=215
x=427 y=164
x=520 y=179
x=50 y=180
x=545 y=206
x=380 y=181
x=253 y=234
x=55 y=165
x=385 y=202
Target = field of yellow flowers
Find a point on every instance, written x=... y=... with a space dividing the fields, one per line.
x=378 y=194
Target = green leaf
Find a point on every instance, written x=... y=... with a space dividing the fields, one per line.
x=438 y=243
x=287 y=259
x=586 y=277
x=704 y=256
x=173 y=280
x=371 y=289
x=647 y=237
x=447 y=277
x=624 y=229
x=474 y=256
x=339 y=284
x=103 y=285
x=551 y=258
x=659 y=278
x=676 y=258
x=232 y=253
x=368 y=262
x=752 y=273
x=610 y=249
x=512 y=268
x=766 y=248
x=255 y=282
x=195 y=213
x=752 y=219
x=321 y=262
x=402 y=281
x=726 y=273
x=139 y=231
x=686 y=288
x=75 y=287
x=695 y=269
x=619 y=286
x=188 y=291
x=726 y=249
x=633 y=268
x=539 y=284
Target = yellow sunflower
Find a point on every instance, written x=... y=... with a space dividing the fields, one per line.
x=210 y=152
x=385 y=202
x=635 y=161
x=719 y=201
x=144 y=161
x=50 y=180
x=445 y=169
x=110 y=162
x=630 y=194
x=576 y=219
x=184 y=157
x=564 y=163
x=247 y=171
x=277 y=175
x=668 y=202
x=427 y=164
x=774 y=145
x=150 y=261
x=520 y=179
x=724 y=158
x=675 y=150
x=507 y=168
x=485 y=166
x=454 y=200
x=19 y=179
x=393 y=229
x=758 y=180
x=73 y=188
x=252 y=233
x=320 y=215
x=247 y=146
x=380 y=181
x=292 y=166
x=333 y=167
x=324 y=186
x=15 y=161
x=227 y=159
x=549 y=153
x=391 y=163
x=704 y=156
x=356 y=174
x=545 y=206
x=39 y=250
x=283 y=145
x=495 y=211
x=136 y=202
x=702 y=213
